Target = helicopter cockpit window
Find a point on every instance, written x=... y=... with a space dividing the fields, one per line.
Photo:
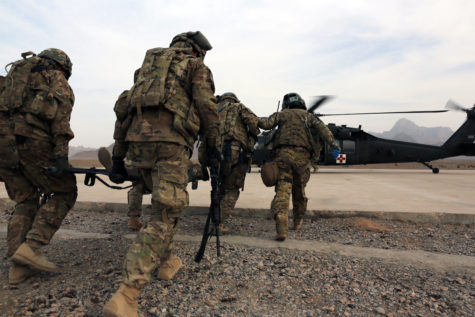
x=349 y=146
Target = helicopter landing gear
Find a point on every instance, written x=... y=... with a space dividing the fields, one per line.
x=435 y=170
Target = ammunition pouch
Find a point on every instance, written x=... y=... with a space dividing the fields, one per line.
x=44 y=105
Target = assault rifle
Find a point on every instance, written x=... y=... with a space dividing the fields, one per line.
x=214 y=214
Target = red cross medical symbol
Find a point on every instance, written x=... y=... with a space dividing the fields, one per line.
x=341 y=159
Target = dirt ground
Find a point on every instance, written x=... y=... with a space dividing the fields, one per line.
x=254 y=281
x=251 y=281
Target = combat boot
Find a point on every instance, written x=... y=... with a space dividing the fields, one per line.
x=33 y=257
x=298 y=221
x=281 y=226
x=169 y=268
x=134 y=223
x=124 y=303
x=19 y=273
x=105 y=158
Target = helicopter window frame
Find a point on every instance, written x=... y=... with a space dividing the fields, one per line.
x=348 y=146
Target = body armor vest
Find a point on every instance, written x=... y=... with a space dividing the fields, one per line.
x=231 y=125
x=293 y=129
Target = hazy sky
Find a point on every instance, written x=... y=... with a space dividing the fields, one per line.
x=372 y=55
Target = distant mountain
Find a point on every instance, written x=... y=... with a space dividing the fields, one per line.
x=73 y=150
x=85 y=153
x=407 y=131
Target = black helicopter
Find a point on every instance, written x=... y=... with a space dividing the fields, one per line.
x=359 y=147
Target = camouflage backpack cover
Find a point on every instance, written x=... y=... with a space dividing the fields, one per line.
x=152 y=87
x=159 y=81
x=12 y=94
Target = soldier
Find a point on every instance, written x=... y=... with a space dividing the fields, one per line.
x=36 y=102
x=171 y=102
x=293 y=146
x=135 y=194
x=238 y=133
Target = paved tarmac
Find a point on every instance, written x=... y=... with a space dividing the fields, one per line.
x=371 y=190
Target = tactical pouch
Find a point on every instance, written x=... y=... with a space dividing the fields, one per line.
x=44 y=105
x=188 y=127
x=192 y=123
x=270 y=173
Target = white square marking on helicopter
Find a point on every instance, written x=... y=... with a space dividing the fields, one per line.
x=341 y=159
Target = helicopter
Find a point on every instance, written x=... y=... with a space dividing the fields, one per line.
x=360 y=147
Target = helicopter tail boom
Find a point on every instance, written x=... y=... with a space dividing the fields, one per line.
x=462 y=142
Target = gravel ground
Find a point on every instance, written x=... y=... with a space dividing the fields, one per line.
x=443 y=238
x=247 y=281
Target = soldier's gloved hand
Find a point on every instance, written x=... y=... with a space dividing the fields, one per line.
x=60 y=165
x=336 y=153
x=118 y=172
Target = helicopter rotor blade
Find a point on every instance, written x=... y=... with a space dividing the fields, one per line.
x=384 y=112
x=319 y=102
x=452 y=105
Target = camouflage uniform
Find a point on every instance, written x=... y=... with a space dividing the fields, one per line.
x=158 y=139
x=134 y=199
x=292 y=152
x=121 y=109
x=34 y=127
x=238 y=131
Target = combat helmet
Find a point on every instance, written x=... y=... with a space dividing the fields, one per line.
x=196 y=40
x=228 y=95
x=60 y=58
x=293 y=101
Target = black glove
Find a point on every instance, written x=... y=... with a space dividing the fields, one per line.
x=60 y=165
x=118 y=173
